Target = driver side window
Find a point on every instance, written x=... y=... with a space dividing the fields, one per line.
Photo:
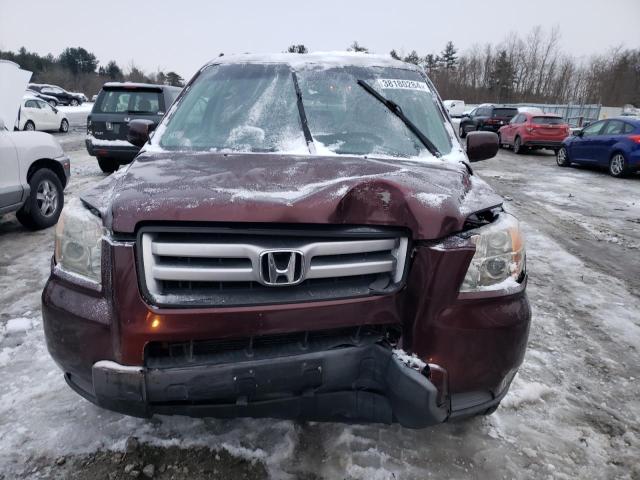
x=593 y=129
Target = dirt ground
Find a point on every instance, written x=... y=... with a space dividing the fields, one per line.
x=573 y=410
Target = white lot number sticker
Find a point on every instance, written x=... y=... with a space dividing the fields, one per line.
x=398 y=84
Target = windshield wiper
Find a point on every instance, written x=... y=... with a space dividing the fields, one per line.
x=303 y=116
x=397 y=111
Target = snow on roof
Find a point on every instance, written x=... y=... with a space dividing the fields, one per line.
x=317 y=58
x=136 y=85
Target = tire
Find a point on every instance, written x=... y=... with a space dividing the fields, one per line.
x=562 y=158
x=499 y=140
x=74 y=102
x=517 y=146
x=64 y=125
x=462 y=131
x=42 y=208
x=618 y=166
x=53 y=103
x=108 y=165
x=29 y=126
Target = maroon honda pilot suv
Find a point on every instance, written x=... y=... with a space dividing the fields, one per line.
x=302 y=236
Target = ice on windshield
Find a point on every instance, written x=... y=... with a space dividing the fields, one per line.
x=253 y=108
x=238 y=108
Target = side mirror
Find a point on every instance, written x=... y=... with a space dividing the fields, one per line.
x=481 y=146
x=2 y=125
x=139 y=131
x=577 y=133
x=55 y=110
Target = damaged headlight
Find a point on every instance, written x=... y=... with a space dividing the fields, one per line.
x=79 y=241
x=500 y=256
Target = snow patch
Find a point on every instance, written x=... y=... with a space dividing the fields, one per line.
x=18 y=325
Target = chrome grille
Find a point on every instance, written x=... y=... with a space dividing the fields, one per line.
x=228 y=269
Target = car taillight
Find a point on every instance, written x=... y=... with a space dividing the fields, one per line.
x=635 y=138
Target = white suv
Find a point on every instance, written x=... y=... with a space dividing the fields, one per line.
x=33 y=174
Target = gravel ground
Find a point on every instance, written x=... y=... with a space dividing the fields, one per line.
x=573 y=410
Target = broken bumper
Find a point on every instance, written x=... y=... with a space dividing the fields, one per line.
x=352 y=384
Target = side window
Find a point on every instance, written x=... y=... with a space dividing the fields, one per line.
x=31 y=104
x=43 y=105
x=520 y=118
x=47 y=90
x=628 y=128
x=614 y=127
x=593 y=129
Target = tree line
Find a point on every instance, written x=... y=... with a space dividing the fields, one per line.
x=78 y=70
x=527 y=69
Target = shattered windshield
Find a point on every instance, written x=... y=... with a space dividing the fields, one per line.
x=253 y=108
x=238 y=108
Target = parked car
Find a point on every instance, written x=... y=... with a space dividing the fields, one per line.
x=53 y=101
x=613 y=144
x=64 y=97
x=486 y=117
x=534 y=130
x=35 y=170
x=36 y=114
x=117 y=104
x=290 y=244
x=455 y=108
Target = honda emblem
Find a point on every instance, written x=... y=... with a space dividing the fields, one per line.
x=281 y=268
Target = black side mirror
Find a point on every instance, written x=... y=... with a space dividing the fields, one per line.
x=139 y=131
x=577 y=133
x=481 y=146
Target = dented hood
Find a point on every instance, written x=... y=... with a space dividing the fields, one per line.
x=432 y=198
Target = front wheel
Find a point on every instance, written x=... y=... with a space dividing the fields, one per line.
x=108 y=165
x=29 y=126
x=53 y=103
x=73 y=103
x=43 y=207
x=618 y=166
x=64 y=125
x=562 y=158
x=462 y=131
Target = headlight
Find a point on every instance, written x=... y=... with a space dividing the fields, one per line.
x=79 y=241
x=500 y=256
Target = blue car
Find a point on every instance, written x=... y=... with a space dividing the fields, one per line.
x=612 y=143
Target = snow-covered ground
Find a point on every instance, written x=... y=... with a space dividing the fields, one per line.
x=573 y=410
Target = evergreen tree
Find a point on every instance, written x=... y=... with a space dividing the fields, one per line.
x=356 y=47
x=502 y=76
x=297 y=49
x=449 y=57
x=413 y=57
x=395 y=55
x=78 y=60
x=174 y=79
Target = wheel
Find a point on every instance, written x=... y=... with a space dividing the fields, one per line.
x=73 y=102
x=108 y=165
x=29 y=126
x=462 y=131
x=64 y=125
x=517 y=146
x=562 y=158
x=618 y=166
x=499 y=140
x=43 y=207
x=53 y=103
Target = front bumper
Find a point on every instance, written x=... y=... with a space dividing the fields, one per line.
x=352 y=384
x=478 y=341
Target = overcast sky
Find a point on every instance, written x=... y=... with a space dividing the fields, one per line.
x=183 y=35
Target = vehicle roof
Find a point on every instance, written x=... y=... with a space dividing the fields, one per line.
x=635 y=120
x=139 y=85
x=317 y=58
x=542 y=114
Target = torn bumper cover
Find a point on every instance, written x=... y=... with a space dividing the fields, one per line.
x=351 y=384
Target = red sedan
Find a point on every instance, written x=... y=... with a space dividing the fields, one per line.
x=534 y=130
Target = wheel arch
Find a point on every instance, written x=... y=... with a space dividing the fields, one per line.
x=50 y=164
